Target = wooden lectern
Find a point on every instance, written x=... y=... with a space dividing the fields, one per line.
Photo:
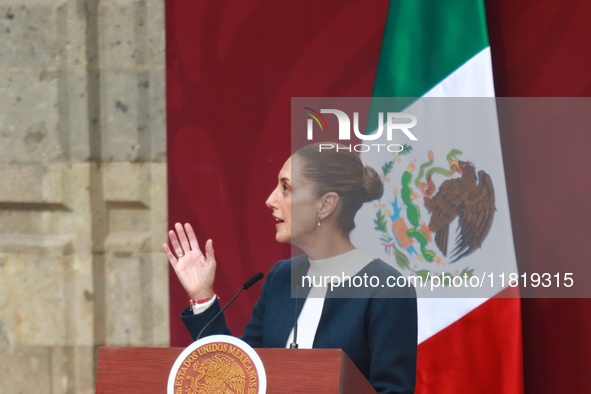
x=145 y=370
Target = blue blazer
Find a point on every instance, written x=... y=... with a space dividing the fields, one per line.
x=378 y=334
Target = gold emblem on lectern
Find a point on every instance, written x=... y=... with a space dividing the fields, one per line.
x=217 y=365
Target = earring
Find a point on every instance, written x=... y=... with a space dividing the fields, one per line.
x=319 y=222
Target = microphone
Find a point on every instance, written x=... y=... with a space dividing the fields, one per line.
x=294 y=343
x=258 y=276
x=245 y=286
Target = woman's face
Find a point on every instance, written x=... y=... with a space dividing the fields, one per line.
x=294 y=198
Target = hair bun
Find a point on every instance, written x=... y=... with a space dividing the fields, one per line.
x=372 y=184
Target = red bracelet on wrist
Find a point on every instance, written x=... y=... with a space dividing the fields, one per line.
x=201 y=301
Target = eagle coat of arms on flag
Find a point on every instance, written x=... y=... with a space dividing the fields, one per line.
x=419 y=208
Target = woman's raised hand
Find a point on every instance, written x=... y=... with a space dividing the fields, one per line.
x=195 y=271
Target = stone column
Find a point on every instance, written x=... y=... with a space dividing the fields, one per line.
x=83 y=207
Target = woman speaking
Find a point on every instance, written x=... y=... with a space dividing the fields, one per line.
x=314 y=204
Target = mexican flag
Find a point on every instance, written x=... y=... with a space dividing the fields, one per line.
x=436 y=53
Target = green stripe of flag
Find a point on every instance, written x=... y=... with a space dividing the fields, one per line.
x=425 y=41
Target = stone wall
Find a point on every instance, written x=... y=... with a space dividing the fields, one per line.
x=82 y=187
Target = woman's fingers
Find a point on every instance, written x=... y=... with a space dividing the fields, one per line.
x=174 y=241
x=209 y=253
x=192 y=237
x=169 y=255
x=184 y=242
